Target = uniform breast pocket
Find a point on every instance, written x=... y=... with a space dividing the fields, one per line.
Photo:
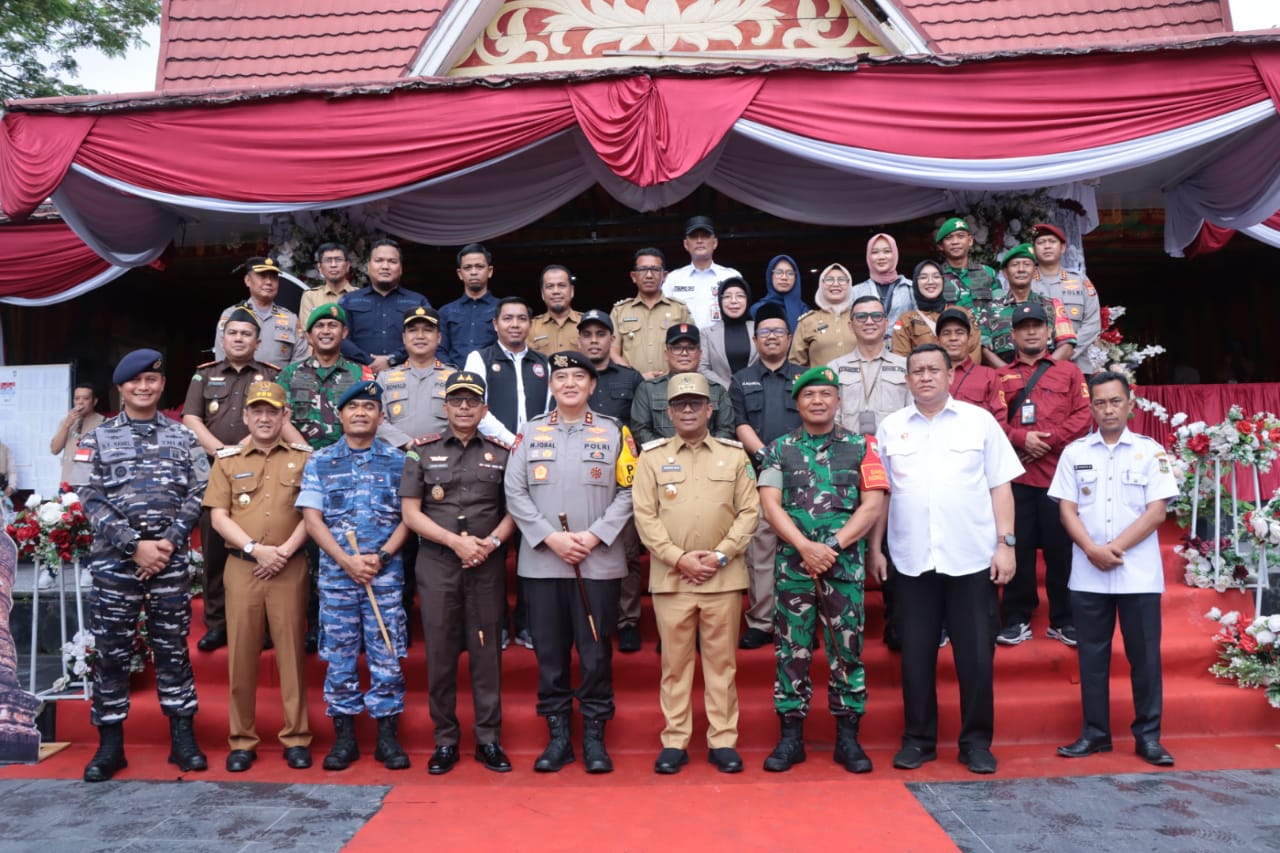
x=215 y=397
x=440 y=476
x=1086 y=488
x=597 y=465
x=247 y=486
x=753 y=401
x=907 y=464
x=672 y=486
x=967 y=462
x=622 y=396
x=339 y=500
x=1134 y=485
x=541 y=473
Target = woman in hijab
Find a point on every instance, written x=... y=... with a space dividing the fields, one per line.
x=824 y=333
x=729 y=345
x=886 y=283
x=782 y=286
x=920 y=325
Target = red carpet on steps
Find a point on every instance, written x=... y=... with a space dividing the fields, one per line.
x=1208 y=724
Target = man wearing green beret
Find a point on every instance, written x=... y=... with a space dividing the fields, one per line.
x=821 y=488
x=1019 y=267
x=966 y=283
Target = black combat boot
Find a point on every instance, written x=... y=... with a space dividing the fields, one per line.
x=183 y=749
x=594 y=755
x=790 y=748
x=848 y=751
x=109 y=759
x=389 y=751
x=559 y=751
x=344 y=749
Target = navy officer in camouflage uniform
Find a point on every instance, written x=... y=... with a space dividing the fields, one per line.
x=821 y=488
x=580 y=464
x=141 y=477
x=352 y=486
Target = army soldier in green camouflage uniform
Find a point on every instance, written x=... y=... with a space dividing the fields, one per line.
x=821 y=487
x=968 y=284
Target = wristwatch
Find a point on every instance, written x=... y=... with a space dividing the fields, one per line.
x=497 y=543
x=721 y=558
x=1008 y=539
x=833 y=543
x=131 y=547
x=384 y=557
x=248 y=548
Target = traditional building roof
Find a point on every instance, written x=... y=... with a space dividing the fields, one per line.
x=270 y=43
x=980 y=26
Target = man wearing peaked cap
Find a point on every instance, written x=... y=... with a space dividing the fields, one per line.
x=141 y=477
x=280 y=340
x=453 y=497
x=696 y=508
x=1070 y=287
x=251 y=495
x=698 y=283
x=649 y=416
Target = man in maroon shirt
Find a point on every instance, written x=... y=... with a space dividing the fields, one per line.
x=1040 y=423
x=970 y=382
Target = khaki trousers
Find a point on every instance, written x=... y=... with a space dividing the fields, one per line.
x=682 y=618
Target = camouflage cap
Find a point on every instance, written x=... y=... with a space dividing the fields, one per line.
x=323 y=312
x=688 y=385
x=820 y=375
x=265 y=392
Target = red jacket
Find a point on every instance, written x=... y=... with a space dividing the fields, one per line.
x=979 y=385
x=1061 y=397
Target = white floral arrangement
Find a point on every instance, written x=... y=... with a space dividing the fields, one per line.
x=1226 y=570
x=294 y=237
x=1250 y=656
x=78 y=656
x=1111 y=351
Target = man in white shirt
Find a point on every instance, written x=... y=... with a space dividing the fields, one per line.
x=950 y=534
x=698 y=284
x=1111 y=487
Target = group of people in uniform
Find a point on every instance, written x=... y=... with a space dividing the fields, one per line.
x=368 y=469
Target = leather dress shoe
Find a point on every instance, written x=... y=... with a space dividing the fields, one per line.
x=1085 y=746
x=313 y=640
x=911 y=757
x=725 y=759
x=670 y=760
x=240 y=760
x=978 y=760
x=754 y=638
x=214 y=638
x=442 y=760
x=629 y=639
x=298 y=757
x=1152 y=752
x=493 y=758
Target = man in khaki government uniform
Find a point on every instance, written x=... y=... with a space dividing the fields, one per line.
x=696 y=509
x=251 y=494
x=640 y=322
x=334 y=265
x=556 y=329
x=280 y=339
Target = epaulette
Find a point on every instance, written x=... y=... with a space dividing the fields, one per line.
x=806 y=314
x=654 y=442
x=224 y=452
x=729 y=441
x=298 y=445
x=206 y=364
x=624 y=301
x=277 y=368
x=428 y=438
x=495 y=440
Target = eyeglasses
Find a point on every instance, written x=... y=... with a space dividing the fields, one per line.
x=684 y=349
x=771 y=333
x=461 y=401
x=784 y=273
x=836 y=279
x=648 y=270
x=873 y=316
x=687 y=405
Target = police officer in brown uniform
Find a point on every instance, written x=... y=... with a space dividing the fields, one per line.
x=452 y=496
x=251 y=494
x=214 y=411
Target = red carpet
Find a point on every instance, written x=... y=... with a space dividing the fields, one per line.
x=1209 y=724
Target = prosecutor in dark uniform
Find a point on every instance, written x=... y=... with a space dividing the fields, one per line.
x=452 y=496
x=141 y=477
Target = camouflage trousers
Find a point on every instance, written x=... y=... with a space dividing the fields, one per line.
x=117 y=598
x=796 y=616
x=347 y=623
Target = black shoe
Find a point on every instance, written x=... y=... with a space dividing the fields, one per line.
x=891 y=638
x=754 y=638
x=298 y=757
x=443 y=759
x=524 y=638
x=848 y=753
x=726 y=759
x=345 y=749
x=1066 y=634
x=594 y=755
x=1085 y=746
x=109 y=759
x=240 y=760
x=214 y=638
x=492 y=757
x=1152 y=752
x=183 y=749
x=388 y=749
x=790 y=748
x=670 y=760
x=559 y=751
x=911 y=757
x=978 y=760
x=313 y=641
x=628 y=639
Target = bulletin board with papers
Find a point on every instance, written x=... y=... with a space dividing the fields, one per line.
x=34 y=399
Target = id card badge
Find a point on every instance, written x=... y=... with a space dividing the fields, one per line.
x=1027 y=414
x=867 y=423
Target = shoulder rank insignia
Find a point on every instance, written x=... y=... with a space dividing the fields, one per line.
x=654 y=442
x=298 y=445
x=224 y=452
x=428 y=438
x=495 y=440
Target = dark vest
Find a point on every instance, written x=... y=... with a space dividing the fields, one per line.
x=981 y=285
x=500 y=383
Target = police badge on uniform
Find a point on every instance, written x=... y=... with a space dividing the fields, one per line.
x=437 y=493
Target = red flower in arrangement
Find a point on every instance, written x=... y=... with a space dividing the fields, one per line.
x=1274 y=435
x=1247 y=643
x=1198 y=444
x=1244 y=427
x=1225 y=636
x=1112 y=336
x=1104 y=314
x=1240 y=573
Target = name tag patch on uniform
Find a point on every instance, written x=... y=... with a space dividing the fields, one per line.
x=1084 y=467
x=242 y=476
x=670 y=467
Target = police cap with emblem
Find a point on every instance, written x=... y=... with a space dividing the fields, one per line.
x=365 y=390
x=572 y=358
x=265 y=392
x=136 y=362
x=462 y=380
x=261 y=264
x=427 y=315
x=820 y=375
x=326 y=312
x=596 y=316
